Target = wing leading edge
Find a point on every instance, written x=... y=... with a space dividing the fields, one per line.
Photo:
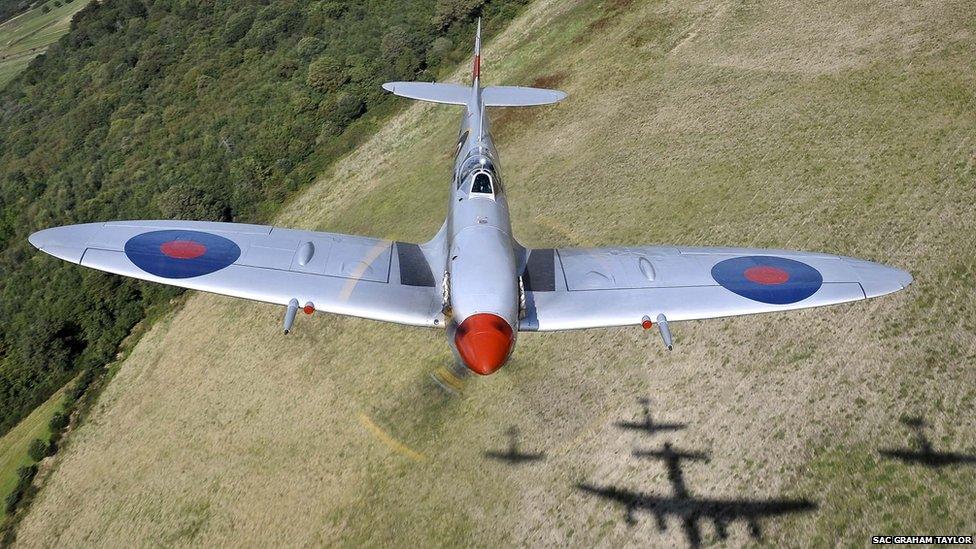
x=567 y=288
x=574 y=288
x=350 y=275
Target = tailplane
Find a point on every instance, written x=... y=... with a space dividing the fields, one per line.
x=449 y=94
x=492 y=96
x=515 y=96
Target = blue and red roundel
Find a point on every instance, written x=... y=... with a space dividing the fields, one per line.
x=768 y=279
x=181 y=254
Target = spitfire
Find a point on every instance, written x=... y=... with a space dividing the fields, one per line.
x=472 y=279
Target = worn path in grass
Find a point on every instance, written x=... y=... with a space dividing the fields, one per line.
x=28 y=35
x=845 y=127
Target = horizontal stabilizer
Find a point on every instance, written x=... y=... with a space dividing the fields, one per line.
x=493 y=96
x=450 y=94
x=515 y=96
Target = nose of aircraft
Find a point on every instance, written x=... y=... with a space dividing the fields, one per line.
x=484 y=341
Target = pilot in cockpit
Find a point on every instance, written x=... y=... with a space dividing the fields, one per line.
x=482 y=183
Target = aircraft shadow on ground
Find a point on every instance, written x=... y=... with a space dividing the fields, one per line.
x=647 y=423
x=924 y=454
x=689 y=509
x=513 y=455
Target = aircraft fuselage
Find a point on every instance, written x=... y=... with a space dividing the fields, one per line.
x=481 y=262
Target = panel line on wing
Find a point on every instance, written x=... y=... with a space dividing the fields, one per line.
x=263 y=268
x=621 y=288
x=562 y=268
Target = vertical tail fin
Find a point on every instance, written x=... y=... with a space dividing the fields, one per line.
x=476 y=69
x=475 y=106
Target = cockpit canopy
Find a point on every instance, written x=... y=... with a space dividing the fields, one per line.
x=477 y=162
x=478 y=173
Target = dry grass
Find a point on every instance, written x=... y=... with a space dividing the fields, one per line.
x=845 y=128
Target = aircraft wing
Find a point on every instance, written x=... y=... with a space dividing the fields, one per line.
x=342 y=274
x=572 y=288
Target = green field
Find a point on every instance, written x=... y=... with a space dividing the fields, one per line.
x=844 y=127
x=13 y=445
x=29 y=34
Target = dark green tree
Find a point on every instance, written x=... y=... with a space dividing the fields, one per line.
x=326 y=74
x=37 y=449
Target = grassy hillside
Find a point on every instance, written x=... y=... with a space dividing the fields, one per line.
x=14 y=444
x=842 y=126
x=29 y=34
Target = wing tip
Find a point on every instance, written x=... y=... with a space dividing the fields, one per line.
x=905 y=278
x=891 y=280
x=36 y=240
x=67 y=243
x=877 y=280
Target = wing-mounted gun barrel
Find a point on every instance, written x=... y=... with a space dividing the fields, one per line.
x=290 y=313
x=662 y=325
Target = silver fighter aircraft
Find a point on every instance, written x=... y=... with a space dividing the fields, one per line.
x=473 y=279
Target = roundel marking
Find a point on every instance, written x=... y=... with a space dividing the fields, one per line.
x=767 y=275
x=180 y=253
x=183 y=249
x=768 y=279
